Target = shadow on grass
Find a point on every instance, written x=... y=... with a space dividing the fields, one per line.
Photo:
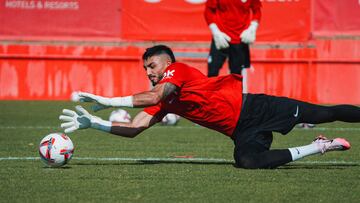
x=56 y=168
x=310 y=166
x=153 y=162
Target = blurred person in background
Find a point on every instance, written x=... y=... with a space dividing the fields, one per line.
x=233 y=24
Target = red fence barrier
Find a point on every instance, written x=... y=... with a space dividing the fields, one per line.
x=321 y=73
x=53 y=72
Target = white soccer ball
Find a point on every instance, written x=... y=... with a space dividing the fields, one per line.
x=56 y=149
x=120 y=115
x=170 y=119
x=75 y=97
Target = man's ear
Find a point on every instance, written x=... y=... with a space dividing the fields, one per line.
x=167 y=59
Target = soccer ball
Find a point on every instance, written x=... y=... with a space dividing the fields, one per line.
x=56 y=149
x=120 y=115
x=75 y=97
x=170 y=119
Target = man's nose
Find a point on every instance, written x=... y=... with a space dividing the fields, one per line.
x=148 y=71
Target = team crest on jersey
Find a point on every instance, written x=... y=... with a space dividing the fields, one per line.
x=169 y=74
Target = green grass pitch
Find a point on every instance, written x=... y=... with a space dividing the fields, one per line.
x=333 y=177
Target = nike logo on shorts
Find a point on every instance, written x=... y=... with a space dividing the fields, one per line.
x=296 y=114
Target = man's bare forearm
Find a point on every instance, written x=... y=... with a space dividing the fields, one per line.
x=145 y=99
x=129 y=132
x=153 y=97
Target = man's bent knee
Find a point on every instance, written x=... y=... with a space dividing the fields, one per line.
x=247 y=162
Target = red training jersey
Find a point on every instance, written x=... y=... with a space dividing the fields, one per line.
x=232 y=16
x=214 y=102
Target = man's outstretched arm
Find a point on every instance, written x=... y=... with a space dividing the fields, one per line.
x=141 y=122
x=81 y=119
x=143 y=99
x=153 y=97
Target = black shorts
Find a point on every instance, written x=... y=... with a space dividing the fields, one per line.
x=238 y=54
x=263 y=114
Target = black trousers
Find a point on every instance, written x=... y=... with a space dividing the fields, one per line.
x=238 y=55
x=263 y=114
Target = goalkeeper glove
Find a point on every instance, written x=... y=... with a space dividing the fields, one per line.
x=221 y=39
x=248 y=36
x=81 y=119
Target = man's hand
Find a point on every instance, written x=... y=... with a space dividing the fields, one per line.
x=248 y=36
x=81 y=119
x=101 y=102
x=221 y=39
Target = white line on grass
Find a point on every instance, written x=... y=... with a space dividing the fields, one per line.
x=28 y=127
x=178 y=127
x=154 y=159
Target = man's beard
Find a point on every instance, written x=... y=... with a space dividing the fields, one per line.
x=155 y=83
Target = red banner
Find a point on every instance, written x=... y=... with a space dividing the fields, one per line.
x=334 y=17
x=49 y=19
x=285 y=20
x=173 y=20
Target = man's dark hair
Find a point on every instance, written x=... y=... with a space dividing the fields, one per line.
x=157 y=50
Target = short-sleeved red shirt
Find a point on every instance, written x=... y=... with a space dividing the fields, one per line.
x=214 y=102
x=232 y=16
